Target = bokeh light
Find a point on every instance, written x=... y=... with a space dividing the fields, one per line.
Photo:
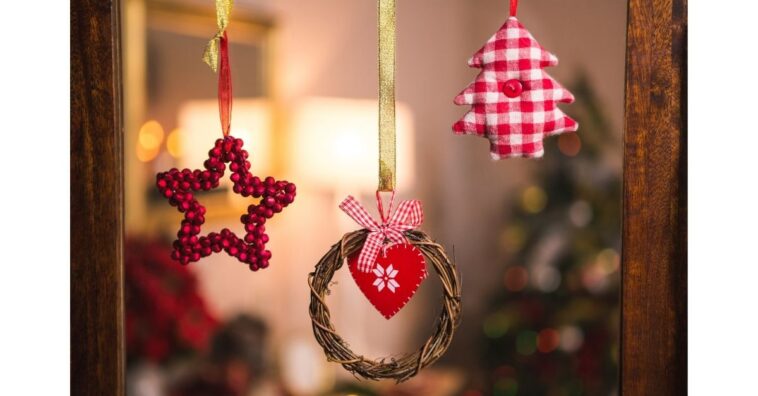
x=548 y=340
x=516 y=278
x=496 y=325
x=151 y=135
x=609 y=261
x=149 y=140
x=533 y=199
x=569 y=144
x=513 y=238
x=526 y=342
x=580 y=213
x=506 y=387
x=505 y=371
x=595 y=278
x=174 y=143
x=572 y=339
x=546 y=278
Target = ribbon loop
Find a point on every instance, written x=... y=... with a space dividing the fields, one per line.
x=225 y=87
x=408 y=216
x=514 y=7
x=387 y=22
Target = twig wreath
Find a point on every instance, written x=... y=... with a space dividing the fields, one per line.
x=387 y=258
x=402 y=368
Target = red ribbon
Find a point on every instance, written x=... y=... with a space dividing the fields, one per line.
x=514 y=7
x=225 y=87
x=408 y=216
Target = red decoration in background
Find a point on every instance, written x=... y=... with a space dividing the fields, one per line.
x=165 y=313
x=394 y=278
x=178 y=187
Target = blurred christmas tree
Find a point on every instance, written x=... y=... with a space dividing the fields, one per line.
x=552 y=329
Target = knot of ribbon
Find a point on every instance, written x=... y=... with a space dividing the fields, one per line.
x=223 y=13
x=408 y=216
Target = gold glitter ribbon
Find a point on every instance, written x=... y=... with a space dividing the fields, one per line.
x=387 y=140
x=223 y=13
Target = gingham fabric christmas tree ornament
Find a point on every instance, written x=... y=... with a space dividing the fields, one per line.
x=513 y=100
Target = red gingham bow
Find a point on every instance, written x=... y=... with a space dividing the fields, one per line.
x=408 y=216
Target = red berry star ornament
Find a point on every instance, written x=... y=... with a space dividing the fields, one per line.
x=178 y=186
x=513 y=100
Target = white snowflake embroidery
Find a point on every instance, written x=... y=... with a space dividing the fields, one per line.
x=386 y=278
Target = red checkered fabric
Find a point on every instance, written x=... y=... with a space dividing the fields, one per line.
x=515 y=126
x=408 y=216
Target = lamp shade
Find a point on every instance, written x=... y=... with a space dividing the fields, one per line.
x=336 y=144
x=199 y=127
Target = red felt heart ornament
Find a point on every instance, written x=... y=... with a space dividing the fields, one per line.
x=392 y=282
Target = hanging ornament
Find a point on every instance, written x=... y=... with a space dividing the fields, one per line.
x=179 y=186
x=387 y=257
x=388 y=275
x=513 y=100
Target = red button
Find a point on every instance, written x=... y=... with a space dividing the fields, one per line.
x=512 y=88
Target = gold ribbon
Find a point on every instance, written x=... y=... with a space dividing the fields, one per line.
x=387 y=95
x=223 y=13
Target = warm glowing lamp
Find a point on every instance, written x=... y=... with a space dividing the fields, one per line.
x=199 y=127
x=335 y=144
x=149 y=140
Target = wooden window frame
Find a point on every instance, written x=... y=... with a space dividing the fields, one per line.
x=654 y=249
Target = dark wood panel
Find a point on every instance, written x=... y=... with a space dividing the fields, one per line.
x=654 y=258
x=97 y=351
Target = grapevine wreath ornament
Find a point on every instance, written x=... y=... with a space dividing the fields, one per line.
x=386 y=258
x=178 y=186
x=513 y=100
